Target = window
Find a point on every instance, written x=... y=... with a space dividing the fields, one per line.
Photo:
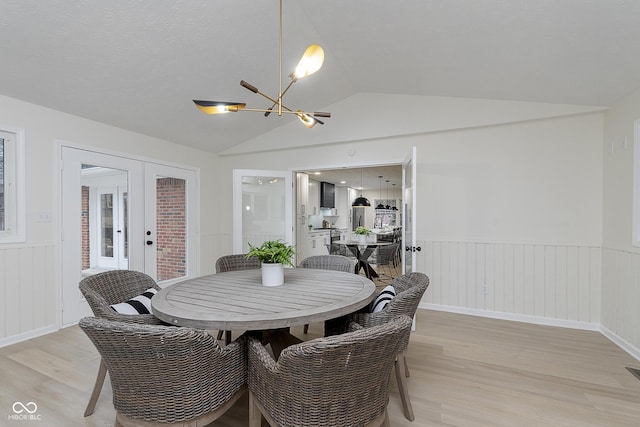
x=12 y=186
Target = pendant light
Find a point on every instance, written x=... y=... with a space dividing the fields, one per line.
x=393 y=194
x=380 y=205
x=361 y=202
x=311 y=62
x=387 y=207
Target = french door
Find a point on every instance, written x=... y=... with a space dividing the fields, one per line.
x=409 y=225
x=120 y=213
x=262 y=207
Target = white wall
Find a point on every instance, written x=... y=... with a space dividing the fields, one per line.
x=29 y=281
x=496 y=202
x=498 y=199
x=621 y=261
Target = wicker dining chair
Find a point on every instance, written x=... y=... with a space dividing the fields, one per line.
x=409 y=290
x=235 y=262
x=112 y=287
x=327 y=262
x=168 y=375
x=336 y=381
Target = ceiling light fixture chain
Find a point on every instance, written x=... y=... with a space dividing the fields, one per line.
x=310 y=62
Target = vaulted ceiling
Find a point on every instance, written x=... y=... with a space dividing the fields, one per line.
x=138 y=64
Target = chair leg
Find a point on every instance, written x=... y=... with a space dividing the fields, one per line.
x=219 y=337
x=227 y=337
x=255 y=416
x=402 y=387
x=406 y=365
x=97 y=388
x=306 y=328
x=386 y=423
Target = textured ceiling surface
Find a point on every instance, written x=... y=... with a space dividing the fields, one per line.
x=138 y=64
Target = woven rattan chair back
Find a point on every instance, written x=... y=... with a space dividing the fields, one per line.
x=167 y=374
x=310 y=381
x=328 y=262
x=113 y=287
x=236 y=262
x=409 y=290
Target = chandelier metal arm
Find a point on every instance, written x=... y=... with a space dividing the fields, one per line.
x=254 y=89
x=281 y=95
x=268 y=111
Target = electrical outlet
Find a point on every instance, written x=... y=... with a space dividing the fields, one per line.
x=484 y=290
x=43 y=216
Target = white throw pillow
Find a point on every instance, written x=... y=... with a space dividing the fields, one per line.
x=136 y=305
x=384 y=297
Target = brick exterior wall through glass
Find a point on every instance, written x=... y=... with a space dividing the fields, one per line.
x=171 y=228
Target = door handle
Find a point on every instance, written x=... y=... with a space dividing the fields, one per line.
x=149 y=242
x=413 y=249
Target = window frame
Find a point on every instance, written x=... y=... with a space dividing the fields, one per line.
x=14 y=181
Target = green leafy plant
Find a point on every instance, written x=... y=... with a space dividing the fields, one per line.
x=272 y=252
x=362 y=231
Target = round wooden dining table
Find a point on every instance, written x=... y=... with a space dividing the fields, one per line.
x=236 y=300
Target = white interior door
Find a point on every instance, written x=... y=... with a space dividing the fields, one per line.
x=171 y=224
x=108 y=231
x=409 y=212
x=95 y=225
x=262 y=207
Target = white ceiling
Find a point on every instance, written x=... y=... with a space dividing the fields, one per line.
x=138 y=64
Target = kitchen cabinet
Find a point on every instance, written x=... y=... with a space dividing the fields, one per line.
x=342 y=210
x=317 y=243
x=302 y=193
x=302 y=219
x=314 y=197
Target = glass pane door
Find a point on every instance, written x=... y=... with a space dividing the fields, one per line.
x=97 y=220
x=104 y=231
x=262 y=206
x=171 y=228
x=170 y=237
x=409 y=212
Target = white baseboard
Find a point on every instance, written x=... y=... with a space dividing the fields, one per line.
x=563 y=323
x=623 y=344
x=14 y=339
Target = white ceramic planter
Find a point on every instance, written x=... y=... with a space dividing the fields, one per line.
x=362 y=238
x=272 y=274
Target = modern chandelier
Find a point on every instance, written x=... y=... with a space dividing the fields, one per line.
x=310 y=62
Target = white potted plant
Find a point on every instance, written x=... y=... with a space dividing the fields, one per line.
x=274 y=255
x=362 y=234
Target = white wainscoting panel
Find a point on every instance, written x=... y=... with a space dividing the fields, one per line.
x=621 y=297
x=27 y=287
x=543 y=281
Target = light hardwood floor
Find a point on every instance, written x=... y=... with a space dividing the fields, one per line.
x=465 y=371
